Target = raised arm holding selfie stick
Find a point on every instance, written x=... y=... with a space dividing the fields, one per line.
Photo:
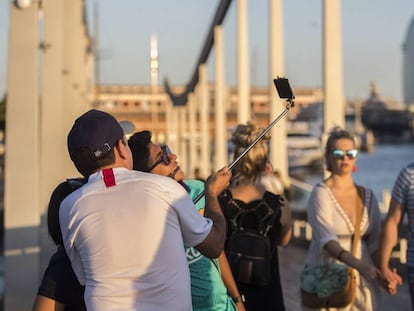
x=285 y=92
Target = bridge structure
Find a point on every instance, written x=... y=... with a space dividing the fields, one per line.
x=50 y=83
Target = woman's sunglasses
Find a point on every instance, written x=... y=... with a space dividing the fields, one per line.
x=340 y=154
x=164 y=157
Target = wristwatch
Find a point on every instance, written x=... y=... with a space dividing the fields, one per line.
x=238 y=299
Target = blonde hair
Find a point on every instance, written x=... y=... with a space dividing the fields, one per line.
x=253 y=164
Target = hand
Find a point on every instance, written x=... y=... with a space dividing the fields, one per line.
x=390 y=279
x=391 y=288
x=369 y=272
x=218 y=181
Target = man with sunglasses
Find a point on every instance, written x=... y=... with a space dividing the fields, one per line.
x=124 y=230
x=212 y=283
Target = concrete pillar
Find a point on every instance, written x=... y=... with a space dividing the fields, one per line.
x=173 y=128
x=205 y=147
x=192 y=135
x=278 y=142
x=69 y=104
x=155 y=123
x=168 y=125
x=52 y=114
x=53 y=157
x=21 y=196
x=86 y=59
x=56 y=114
x=220 y=141
x=243 y=68
x=154 y=87
x=154 y=117
x=334 y=103
x=80 y=45
x=182 y=138
x=36 y=131
x=74 y=63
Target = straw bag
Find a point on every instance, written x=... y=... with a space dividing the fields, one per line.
x=328 y=286
x=332 y=285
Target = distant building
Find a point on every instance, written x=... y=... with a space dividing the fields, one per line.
x=408 y=67
x=135 y=102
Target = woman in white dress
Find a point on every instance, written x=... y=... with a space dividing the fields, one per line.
x=332 y=215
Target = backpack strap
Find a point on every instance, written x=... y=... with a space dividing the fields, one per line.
x=265 y=223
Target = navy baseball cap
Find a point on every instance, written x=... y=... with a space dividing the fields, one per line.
x=95 y=133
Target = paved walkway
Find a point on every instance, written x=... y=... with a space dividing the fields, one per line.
x=291 y=263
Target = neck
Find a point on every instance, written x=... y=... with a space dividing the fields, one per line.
x=340 y=181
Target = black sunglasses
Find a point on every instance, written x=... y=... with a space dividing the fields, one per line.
x=163 y=159
x=340 y=154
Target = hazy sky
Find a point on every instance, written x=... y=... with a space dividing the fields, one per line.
x=373 y=34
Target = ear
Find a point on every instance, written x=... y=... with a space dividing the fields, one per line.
x=121 y=147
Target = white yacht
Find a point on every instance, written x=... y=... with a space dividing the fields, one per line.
x=304 y=142
x=304 y=150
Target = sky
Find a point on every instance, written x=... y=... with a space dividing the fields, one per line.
x=373 y=32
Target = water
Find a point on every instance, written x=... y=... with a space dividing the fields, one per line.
x=377 y=170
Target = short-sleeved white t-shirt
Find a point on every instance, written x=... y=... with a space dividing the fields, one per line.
x=124 y=232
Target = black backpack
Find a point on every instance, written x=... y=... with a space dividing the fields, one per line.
x=249 y=248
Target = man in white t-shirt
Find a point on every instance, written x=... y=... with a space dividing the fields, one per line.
x=124 y=231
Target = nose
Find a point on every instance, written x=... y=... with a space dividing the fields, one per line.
x=172 y=156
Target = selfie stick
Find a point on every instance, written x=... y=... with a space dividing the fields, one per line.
x=290 y=104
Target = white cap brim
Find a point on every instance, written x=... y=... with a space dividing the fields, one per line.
x=127 y=126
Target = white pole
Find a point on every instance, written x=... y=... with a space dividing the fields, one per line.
x=21 y=194
x=278 y=142
x=220 y=154
x=243 y=72
x=192 y=135
x=334 y=103
x=205 y=166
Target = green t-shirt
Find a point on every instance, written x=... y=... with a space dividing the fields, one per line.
x=208 y=291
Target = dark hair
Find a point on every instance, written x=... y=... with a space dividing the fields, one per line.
x=87 y=167
x=139 y=145
x=58 y=195
x=334 y=135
